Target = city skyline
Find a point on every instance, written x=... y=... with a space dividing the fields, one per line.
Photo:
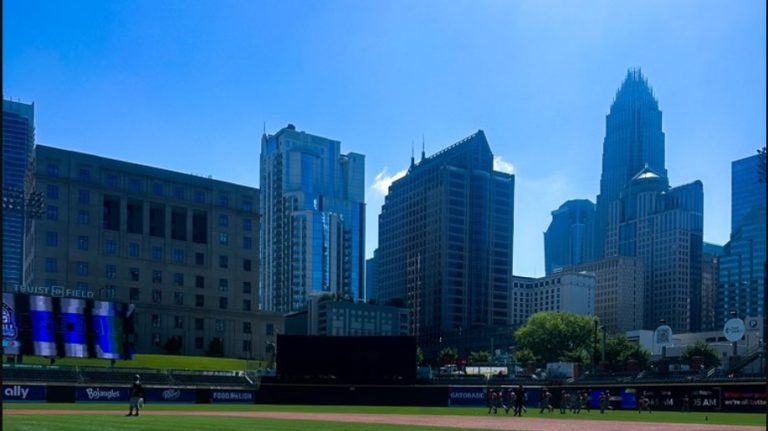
x=379 y=89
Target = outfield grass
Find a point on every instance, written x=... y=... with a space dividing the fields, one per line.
x=716 y=418
x=157 y=361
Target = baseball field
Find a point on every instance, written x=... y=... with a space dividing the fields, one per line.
x=164 y=417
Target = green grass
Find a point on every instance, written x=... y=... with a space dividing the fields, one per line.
x=621 y=415
x=157 y=361
x=165 y=423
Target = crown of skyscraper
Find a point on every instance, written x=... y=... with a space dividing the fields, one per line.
x=634 y=90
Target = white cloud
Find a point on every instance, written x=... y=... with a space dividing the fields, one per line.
x=501 y=165
x=382 y=181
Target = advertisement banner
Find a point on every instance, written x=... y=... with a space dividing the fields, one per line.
x=219 y=396
x=24 y=393
x=746 y=400
x=170 y=395
x=102 y=394
x=466 y=396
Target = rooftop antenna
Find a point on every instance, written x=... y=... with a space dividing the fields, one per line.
x=412 y=160
x=265 y=128
x=422 y=147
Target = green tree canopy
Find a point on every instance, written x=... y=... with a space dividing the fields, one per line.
x=480 y=357
x=552 y=336
x=448 y=356
x=619 y=350
x=710 y=358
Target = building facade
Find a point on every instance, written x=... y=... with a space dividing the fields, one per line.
x=18 y=144
x=571 y=292
x=346 y=318
x=313 y=220
x=619 y=292
x=371 y=277
x=182 y=248
x=445 y=245
x=709 y=280
x=742 y=266
x=569 y=239
x=662 y=226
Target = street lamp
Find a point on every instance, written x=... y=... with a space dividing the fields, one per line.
x=594 y=348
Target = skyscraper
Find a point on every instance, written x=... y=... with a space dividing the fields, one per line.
x=742 y=266
x=709 y=280
x=569 y=239
x=445 y=245
x=313 y=220
x=633 y=140
x=371 y=277
x=18 y=143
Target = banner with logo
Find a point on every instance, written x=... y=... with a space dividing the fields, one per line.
x=170 y=395
x=102 y=394
x=219 y=396
x=24 y=393
x=466 y=396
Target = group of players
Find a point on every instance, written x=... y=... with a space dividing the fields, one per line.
x=575 y=402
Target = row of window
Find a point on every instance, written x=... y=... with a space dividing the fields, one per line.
x=52 y=265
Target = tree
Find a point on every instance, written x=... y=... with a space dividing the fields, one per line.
x=448 y=356
x=419 y=356
x=709 y=356
x=480 y=357
x=523 y=356
x=619 y=350
x=552 y=336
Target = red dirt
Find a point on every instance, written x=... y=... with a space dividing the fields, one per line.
x=480 y=422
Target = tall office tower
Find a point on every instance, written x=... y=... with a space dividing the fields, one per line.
x=182 y=248
x=313 y=220
x=633 y=140
x=569 y=239
x=445 y=245
x=371 y=277
x=709 y=280
x=663 y=227
x=18 y=143
x=742 y=265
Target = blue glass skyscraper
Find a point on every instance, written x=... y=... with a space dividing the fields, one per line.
x=313 y=220
x=18 y=144
x=569 y=239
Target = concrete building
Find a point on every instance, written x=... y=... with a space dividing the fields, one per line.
x=313 y=225
x=741 y=268
x=182 y=248
x=344 y=318
x=18 y=144
x=445 y=245
x=619 y=292
x=572 y=292
x=569 y=238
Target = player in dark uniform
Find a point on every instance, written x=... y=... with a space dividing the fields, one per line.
x=519 y=400
x=137 y=397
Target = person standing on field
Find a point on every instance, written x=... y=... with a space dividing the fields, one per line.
x=519 y=400
x=137 y=397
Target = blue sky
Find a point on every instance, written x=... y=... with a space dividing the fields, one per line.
x=189 y=85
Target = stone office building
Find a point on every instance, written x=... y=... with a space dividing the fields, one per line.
x=183 y=248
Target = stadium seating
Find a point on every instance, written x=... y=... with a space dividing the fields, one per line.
x=123 y=376
x=187 y=378
x=19 y=374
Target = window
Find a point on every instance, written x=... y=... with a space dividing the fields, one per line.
x=199 y=324
x=223 y=220
x=51 y=265
x=52 y=212
x=53 y=169
x=157 y=276
x=134 y=273
x=51 y=239
x=155 y=321
x=223 y=238
x=53 y=191
x=247 y=265
x=134 y=294
x=82 y=269
x=134 y=185
x=223 y=303
x=224 y=201
x=178 y=255
x=157 y=253
x=246 y=287
x=111 y=247
x=83 y=197
x=133 y=249
x=178 y=298
x=246 y=327
x=246 y=305
x=223 y=262
x=219 y=326
x=112 y=181
x=179 y=193
x=247 y=225
x=82 y=243
x=157 y=296
x=246 y=345
x=108 y=292
x=84 y=174
x=81 y=285
x=157 y=189
x=178 y=322
x=199 y=259
x=199 y=197
x=270 y=329
x=178 y=279
x=247 y=243
x=199 y=343
x=110 y=271
x=199 y=301
x=247 y=205
x=83 y=217
x=200 y=282
x=223 y=285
